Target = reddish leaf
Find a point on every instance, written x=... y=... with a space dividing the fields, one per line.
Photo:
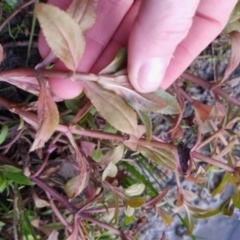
x=202 y=110
x=88 y=148
x=157 y=199
x=48 y=116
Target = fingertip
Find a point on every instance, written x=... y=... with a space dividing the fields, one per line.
x=65 y=88
x=147 y=77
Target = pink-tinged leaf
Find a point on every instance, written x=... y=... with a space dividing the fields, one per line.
x=76 y=185
x=1 y=53
x=62 y=34
x=120 y=84
x=48 y=116
x=88 y=148
x=162 y=157
x=111 y=107
x=132 y=141
x=163 y=237
x=202 y=111
x=74 y=234
x=83 y=12
x=53 y=235
x=189 y=196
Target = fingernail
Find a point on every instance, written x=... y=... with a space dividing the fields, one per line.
x=151 y=74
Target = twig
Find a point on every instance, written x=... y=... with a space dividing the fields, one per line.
x=57 y=213
x=15 y=13
x=6 y=160
x=87 y=105
x=200 y=82
x=212 y=161
x=47 y=155
x=101 y=224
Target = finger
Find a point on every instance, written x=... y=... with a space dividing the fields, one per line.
x=210 y=19
x=159 y=27
x=119 y=40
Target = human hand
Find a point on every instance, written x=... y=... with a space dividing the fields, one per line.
x=163 y=38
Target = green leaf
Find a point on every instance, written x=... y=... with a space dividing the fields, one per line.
x=111 y=107
x=3 y=133
x=221 y=185
x=3 y=183
x=11 y=3
x=236 y=197
x=172 y=105
x=189 y=221
x=97 y=155
x=73 y=104
x=91 y=121
x=206 y=213
x=110 y=129
x=128 y=220
x=135 y=202
x=146 y=120
x=160 y=156
x=18 y=178
x=9 y=168
x=116 y=212
x=117 y=63
x=227 y=209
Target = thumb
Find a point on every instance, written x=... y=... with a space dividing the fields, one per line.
x=159 y=27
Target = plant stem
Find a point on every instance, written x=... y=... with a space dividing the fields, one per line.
x=212 y=161
x=200 y=82
x=101 y=224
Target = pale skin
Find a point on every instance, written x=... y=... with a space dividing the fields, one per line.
x=163 y=38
